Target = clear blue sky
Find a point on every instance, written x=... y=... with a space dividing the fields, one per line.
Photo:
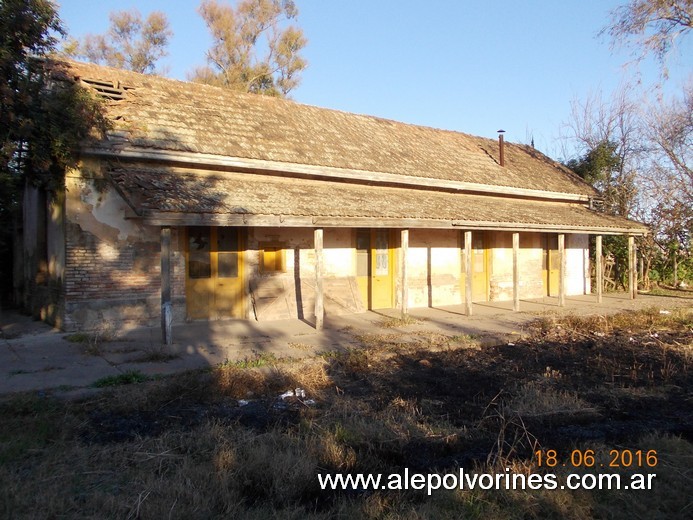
x=470 y=66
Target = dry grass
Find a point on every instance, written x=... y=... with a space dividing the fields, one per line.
x=396 y=322
x=575 y=327
x=223 y=443
x=94 y=339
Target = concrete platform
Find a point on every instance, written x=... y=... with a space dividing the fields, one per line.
x=35 y=357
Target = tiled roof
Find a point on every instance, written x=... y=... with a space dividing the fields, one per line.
x=169 y=193
x=163 y=114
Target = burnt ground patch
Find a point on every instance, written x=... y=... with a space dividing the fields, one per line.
x=232 y=441
x=613 y=387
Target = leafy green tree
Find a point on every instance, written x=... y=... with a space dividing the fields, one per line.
x=43 y=114
x=131 y=43
x=602 y=167
x=42 y=119
x=27 y=29
x=253 y=49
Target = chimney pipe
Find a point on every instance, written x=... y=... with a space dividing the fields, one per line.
x=501 y=146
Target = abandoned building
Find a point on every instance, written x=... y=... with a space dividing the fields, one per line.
x=210 y=204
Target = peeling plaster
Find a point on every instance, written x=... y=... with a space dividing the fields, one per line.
x=102 y=213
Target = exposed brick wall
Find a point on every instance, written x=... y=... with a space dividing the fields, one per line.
x=97 y=270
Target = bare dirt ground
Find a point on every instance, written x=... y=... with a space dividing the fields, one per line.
x=216 y=443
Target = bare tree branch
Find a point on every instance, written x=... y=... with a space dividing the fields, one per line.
x=650 y=26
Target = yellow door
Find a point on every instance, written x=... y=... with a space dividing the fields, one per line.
x=214 y=282
x=551 y=264
x=382 y=270
x=375 y=267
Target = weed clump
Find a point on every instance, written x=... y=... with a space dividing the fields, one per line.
x=127 y=378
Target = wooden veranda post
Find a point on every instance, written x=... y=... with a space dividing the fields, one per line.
x=561 y=270
x=319 y=303
x=403 y=270
x=516 y=272
x=166 y=306
x=632 y=272
x=599 y=275
x=468 y=273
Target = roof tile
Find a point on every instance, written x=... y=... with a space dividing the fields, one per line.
x=179 y=116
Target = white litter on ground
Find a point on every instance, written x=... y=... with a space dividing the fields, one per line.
x=299 y=392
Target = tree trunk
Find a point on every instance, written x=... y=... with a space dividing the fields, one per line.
x=676 y=270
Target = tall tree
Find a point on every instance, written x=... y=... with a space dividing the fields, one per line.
x=131 y=43
x=608 y=140
x=648 y=155
x=27 y=28
x=670 y=131
x=607 y=137
x=650 y=26
x=42 y=121
x=670 y=181
x=254 y=48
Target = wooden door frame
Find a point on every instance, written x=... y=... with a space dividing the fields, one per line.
x=392 y=262
x=214 y=269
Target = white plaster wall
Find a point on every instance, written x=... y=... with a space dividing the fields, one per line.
x=417 y=274
x=500 y=266
x=530 y=257
x=339 y=253
x=577 y=264
x=433 y=267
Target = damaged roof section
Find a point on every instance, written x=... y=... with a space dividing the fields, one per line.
x=111 y=90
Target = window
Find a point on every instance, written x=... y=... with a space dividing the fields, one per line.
x=227 y=256
x=199 y=260
x=478 y=253
x=272 y=258
x=382 y=253
x=363 y=249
